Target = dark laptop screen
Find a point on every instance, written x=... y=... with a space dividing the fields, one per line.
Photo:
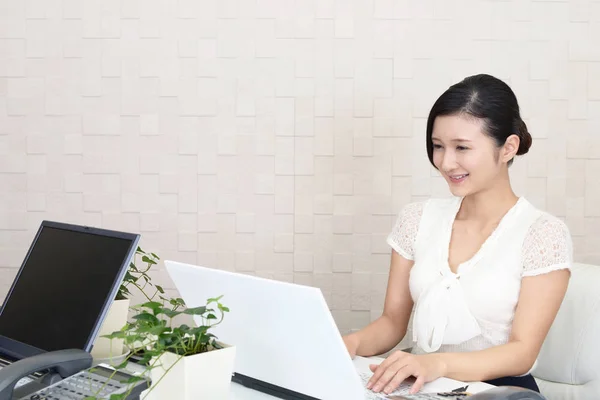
x=64 y=285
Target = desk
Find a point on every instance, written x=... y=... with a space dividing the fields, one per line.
x=240 y=392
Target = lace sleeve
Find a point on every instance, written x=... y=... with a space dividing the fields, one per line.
x=403 y=235
x=547 y=247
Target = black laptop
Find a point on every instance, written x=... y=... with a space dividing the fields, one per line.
x=64 y=288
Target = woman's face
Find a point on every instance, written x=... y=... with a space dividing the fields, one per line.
x=465 y=156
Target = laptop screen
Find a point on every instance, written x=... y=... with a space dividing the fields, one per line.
x=65 y=285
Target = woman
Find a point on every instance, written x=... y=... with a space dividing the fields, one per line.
x=485 y=269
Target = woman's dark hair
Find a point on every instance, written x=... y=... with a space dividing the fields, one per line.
x=487 y=98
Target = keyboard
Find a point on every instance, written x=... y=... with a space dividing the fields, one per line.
x=97 y=382
x=402 y=390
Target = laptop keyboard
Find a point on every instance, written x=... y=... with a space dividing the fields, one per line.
x=403 y=389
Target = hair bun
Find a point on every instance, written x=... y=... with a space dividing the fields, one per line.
x=525 y=138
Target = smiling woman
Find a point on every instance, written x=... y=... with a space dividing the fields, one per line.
x=485 y=270
x=471 y=126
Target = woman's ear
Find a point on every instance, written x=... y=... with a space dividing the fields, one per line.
x=510 y=148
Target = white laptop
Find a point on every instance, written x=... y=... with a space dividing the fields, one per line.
x=287 y=343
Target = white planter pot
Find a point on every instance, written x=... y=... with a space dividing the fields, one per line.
x=105 y=349
x=200 y=376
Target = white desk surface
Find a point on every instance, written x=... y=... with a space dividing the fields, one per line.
x=239 y=392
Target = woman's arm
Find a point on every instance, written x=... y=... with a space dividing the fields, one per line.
x=387 y=331
x=546 y=254
x=539 y=301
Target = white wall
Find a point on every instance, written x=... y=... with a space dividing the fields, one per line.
x=278 y=137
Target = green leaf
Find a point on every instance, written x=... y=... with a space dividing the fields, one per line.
x=183 y=329
x=223 y=308
x=163 y=298
x=169 y=313
x=146 y=317
x=123 y=292
x=131 y=340
x=201 y=330
x=154 y=353
x=160 y=289
x=195 y=310
x=157 y=330
x=216 y=345
x=144 y=355
x=148 y=260
x=172 y=340
x=122 y=365
x=151 y=304
x=135 y=378
x=211 y=316
x=128 y=276
x=155 y=306
x=116 y=335
x=177 y=302
x=204 y=339
x=150 y=329
x=214 y=299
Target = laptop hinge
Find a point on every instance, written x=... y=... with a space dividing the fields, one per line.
x=268 y=388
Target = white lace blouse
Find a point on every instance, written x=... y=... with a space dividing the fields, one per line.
x=474 y=308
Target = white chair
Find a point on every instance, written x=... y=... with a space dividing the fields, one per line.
x=568 y=366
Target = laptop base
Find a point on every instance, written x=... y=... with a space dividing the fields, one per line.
x=267 y=388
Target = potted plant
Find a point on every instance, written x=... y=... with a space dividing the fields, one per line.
x=183 y=362
x=108 y=351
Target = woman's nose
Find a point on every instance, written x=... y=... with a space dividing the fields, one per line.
x=448 y=161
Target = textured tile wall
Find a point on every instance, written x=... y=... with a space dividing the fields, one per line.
x=278 y=137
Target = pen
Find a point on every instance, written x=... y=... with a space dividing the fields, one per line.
x=455 y=393
x=461 y=389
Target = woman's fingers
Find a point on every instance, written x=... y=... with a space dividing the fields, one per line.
x=396 y=371
x=380 y=369
x=398 y=378
x=418 y=385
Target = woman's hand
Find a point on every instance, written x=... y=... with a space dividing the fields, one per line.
x=388 y=375
x=351 y=342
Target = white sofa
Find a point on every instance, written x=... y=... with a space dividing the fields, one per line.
x=568 y=366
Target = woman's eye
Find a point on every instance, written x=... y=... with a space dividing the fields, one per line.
x=437 y=146
x=461 y=148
